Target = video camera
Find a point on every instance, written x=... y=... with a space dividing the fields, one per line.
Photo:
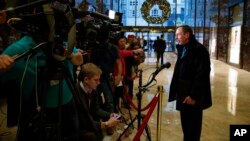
x=96 y=29
x=54 y=21
x=49 y=21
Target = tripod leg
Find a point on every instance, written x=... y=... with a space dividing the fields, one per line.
x=59 y=132
x=146 y=129
x=130 y=115
x=125 y=130
x=148 y=133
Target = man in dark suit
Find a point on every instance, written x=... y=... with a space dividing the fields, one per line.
x=190 y=84
x=160 y=49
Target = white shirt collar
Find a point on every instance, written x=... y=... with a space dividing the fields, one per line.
x=83 y=88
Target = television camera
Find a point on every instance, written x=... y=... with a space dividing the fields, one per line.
x=54 y=21
x=96 y=29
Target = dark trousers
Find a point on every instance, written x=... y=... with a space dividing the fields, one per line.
x=160 y=57
x=191 y=121
x=106 y=87
x=130 y=84
x=118 y=94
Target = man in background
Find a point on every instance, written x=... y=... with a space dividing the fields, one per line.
x=160 y=47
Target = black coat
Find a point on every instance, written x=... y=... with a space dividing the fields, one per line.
x=160 y=45
x=192 y=76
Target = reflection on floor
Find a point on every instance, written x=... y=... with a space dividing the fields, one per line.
x=230 y=92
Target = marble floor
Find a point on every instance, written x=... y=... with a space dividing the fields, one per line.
x=230 y=93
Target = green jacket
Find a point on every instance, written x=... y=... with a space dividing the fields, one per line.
x=24 y=71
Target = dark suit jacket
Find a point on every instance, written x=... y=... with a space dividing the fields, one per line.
x=160 y=45
x=93 y=106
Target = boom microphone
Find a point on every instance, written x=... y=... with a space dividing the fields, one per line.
x=26 y=6
x=167 y=65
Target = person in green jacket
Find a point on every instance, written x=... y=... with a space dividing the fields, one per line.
x=40 y=92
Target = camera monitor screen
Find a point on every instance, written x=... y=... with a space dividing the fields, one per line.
x=112 y=14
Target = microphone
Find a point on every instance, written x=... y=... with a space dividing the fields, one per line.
x=167 y=65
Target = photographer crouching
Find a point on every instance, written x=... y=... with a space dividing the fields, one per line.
x=89 y=79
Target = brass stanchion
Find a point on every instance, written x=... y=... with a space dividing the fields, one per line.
x=159 y=112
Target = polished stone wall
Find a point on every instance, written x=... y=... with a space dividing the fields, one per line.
x=222 y=31
x=245 y=41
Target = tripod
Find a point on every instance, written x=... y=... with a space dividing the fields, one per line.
x=139 y=99
x=139 y=116
x=61 y=76
x=142 y=89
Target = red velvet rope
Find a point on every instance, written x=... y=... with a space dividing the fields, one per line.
x=133 y=105
x=130 y=101
x=131 y=78
x=146 y=118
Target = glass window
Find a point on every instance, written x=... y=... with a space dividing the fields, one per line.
x=173 y=11
x=133 y=2
x=182 y=10
x=124 y=1
x=131 y=13
x=154 y=13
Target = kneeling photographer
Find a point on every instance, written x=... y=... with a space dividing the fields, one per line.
x=89 y=79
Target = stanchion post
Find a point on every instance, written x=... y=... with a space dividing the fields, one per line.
x=159 y=112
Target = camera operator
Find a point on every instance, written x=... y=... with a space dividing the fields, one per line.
x=94 y=32
x=24 y=71
x=106 y=55
x=47 y=106
x=132 y=64
x=119 y=89
x=89 y=79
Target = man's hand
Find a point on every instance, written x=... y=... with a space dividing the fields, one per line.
x=5 y=62
x=77 y=58
x=112 y=122
x=138 y=51
x=188 y=100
